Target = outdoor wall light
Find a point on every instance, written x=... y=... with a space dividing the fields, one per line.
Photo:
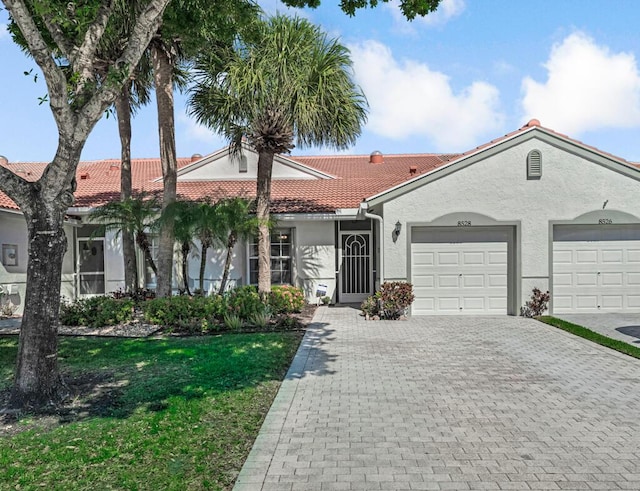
x=397 y=230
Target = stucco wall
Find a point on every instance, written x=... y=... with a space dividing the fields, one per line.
x=497 y=187
x=314 y=256
x=13 y=230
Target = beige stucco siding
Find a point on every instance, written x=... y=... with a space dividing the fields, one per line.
x=497 y=187
x=13 y=230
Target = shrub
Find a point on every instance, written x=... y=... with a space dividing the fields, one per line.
x=370 y=306
x=184 y=313
x=260 y=320
x=96 y=311
x=244 y=301
x=286 y=299
x=390 y=302
x=233 y=322
x=537 y=305
x=325 y=300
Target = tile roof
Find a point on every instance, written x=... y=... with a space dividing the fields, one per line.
x=355 y=178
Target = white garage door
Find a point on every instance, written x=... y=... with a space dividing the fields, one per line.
x=596 y=269
x=459 y=272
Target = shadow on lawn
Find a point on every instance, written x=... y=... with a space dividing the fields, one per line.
x=118 y=377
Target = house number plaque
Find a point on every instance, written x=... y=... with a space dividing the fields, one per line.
x=605 y=221
x=464 y=223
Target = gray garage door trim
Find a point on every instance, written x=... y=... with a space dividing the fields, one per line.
x=462 y=270
x=596 y=268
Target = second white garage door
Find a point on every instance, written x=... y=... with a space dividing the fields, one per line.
x=460 y=271
x=596 y=269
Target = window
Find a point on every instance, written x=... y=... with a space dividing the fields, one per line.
x=534 y=164
x=280 y=257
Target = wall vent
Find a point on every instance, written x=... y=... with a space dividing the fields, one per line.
x=244 y=164
x=534 y=164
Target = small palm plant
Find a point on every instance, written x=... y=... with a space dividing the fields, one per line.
x=136 y=215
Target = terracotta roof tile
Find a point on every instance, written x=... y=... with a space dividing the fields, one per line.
x=355 y=178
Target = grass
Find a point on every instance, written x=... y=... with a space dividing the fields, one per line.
x=176 y=413
x=598 y=338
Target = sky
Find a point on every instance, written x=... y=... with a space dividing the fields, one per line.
x=460 y=77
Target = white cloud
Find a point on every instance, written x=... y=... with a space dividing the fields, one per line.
x=447 y=10
x=407 y=99
x=587 y=88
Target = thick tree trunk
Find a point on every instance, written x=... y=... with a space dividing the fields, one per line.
x=231 y=243
x=37 y=378
x=123 y=111
x=163 y=77
x=263 y=195
x=143 y=243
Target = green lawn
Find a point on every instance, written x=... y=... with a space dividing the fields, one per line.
x=176 y=413
x=596 y=337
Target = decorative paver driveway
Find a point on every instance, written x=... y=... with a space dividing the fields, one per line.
x=449 y=403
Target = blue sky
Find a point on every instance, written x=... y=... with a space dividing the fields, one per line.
x=471 y=72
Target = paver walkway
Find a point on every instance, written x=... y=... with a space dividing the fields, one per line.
x=449 y=403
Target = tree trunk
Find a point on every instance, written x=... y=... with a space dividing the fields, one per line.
x=163 y=78
x=231 y=243
x=123 y=111
x=143 y=243
x=37 y=378
x=203 y=263
x=263 y=195
x=185 y=267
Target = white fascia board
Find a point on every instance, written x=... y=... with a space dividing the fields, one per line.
x=339 y=214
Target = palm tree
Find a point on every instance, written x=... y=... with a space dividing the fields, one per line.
x=182 y=216
x=289 y=83
x=136 y=215
x=186 y=28
x=235 y=222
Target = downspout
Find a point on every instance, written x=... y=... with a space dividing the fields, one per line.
x=364 y=206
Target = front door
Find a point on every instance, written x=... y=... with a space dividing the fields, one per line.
x=355 y=276
x=91 y=266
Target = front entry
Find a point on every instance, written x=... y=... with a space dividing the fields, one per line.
x=355 y=277
x=91 y=266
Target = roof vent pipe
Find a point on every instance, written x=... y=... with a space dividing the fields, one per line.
x=195 y=157
x=376 y=157
x=3 y=160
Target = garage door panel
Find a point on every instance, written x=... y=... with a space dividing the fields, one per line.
x=615 y=256
x=596 y=270
x=586 y=279
x=448 y=281
x=633 y=301
x=586 y=256
x=473 y=281
x=448 y=258
x=468 y=276
x=612 y=279
x=424 y=280
x=448 y=304
x=612 y=302
x=497 y=280
x=633 y=279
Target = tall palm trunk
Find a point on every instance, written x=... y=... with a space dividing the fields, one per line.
x=231 y=243
x=185 y=267
x=123 y=112
x=143 y=242
x=163 y=77
x=204 y=246
x=263 y=201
